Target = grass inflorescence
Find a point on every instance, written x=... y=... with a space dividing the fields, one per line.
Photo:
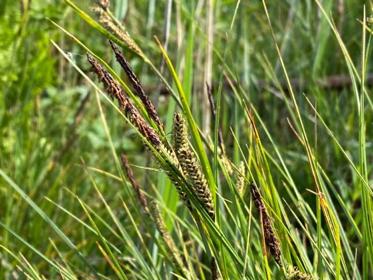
x=186 y=140
x=190 y=165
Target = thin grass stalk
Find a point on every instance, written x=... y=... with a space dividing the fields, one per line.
x=304 y=140
x=366 y=199
x=214 y=116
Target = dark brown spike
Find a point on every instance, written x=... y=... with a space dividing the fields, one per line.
x=213 y=114
x=269 y=235
x=135 y=82
x=115 y=91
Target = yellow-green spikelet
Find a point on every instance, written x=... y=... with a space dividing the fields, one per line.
x=295 y=274
x=180 y=133
x=240 y=178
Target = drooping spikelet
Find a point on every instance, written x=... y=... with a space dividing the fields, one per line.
x=115 y=91
x=161 y=226
x=269 y=235
x=227 y=164
x=135 y=185
x=190 y=165
x=114 y=27
x=139 y=90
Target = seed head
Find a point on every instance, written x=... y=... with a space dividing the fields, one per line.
x=114 y=27
x=269 y=235
x=116 y=92
x=170 y=244
x=180 y=133
x=190 y=165
x=139 y=90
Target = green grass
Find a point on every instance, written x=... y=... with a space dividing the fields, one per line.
x=69 y=209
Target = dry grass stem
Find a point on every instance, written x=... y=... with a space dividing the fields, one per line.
x=214 y=115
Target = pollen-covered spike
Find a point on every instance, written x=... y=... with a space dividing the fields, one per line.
x=190 y=165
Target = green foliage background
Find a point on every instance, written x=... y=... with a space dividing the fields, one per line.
x=54 y=147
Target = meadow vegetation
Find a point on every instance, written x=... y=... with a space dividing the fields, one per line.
x=194 y=139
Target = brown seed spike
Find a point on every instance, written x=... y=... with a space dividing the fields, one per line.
x=111 y=86
x=115 y=91
x=269 y=235
x=139 y=90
